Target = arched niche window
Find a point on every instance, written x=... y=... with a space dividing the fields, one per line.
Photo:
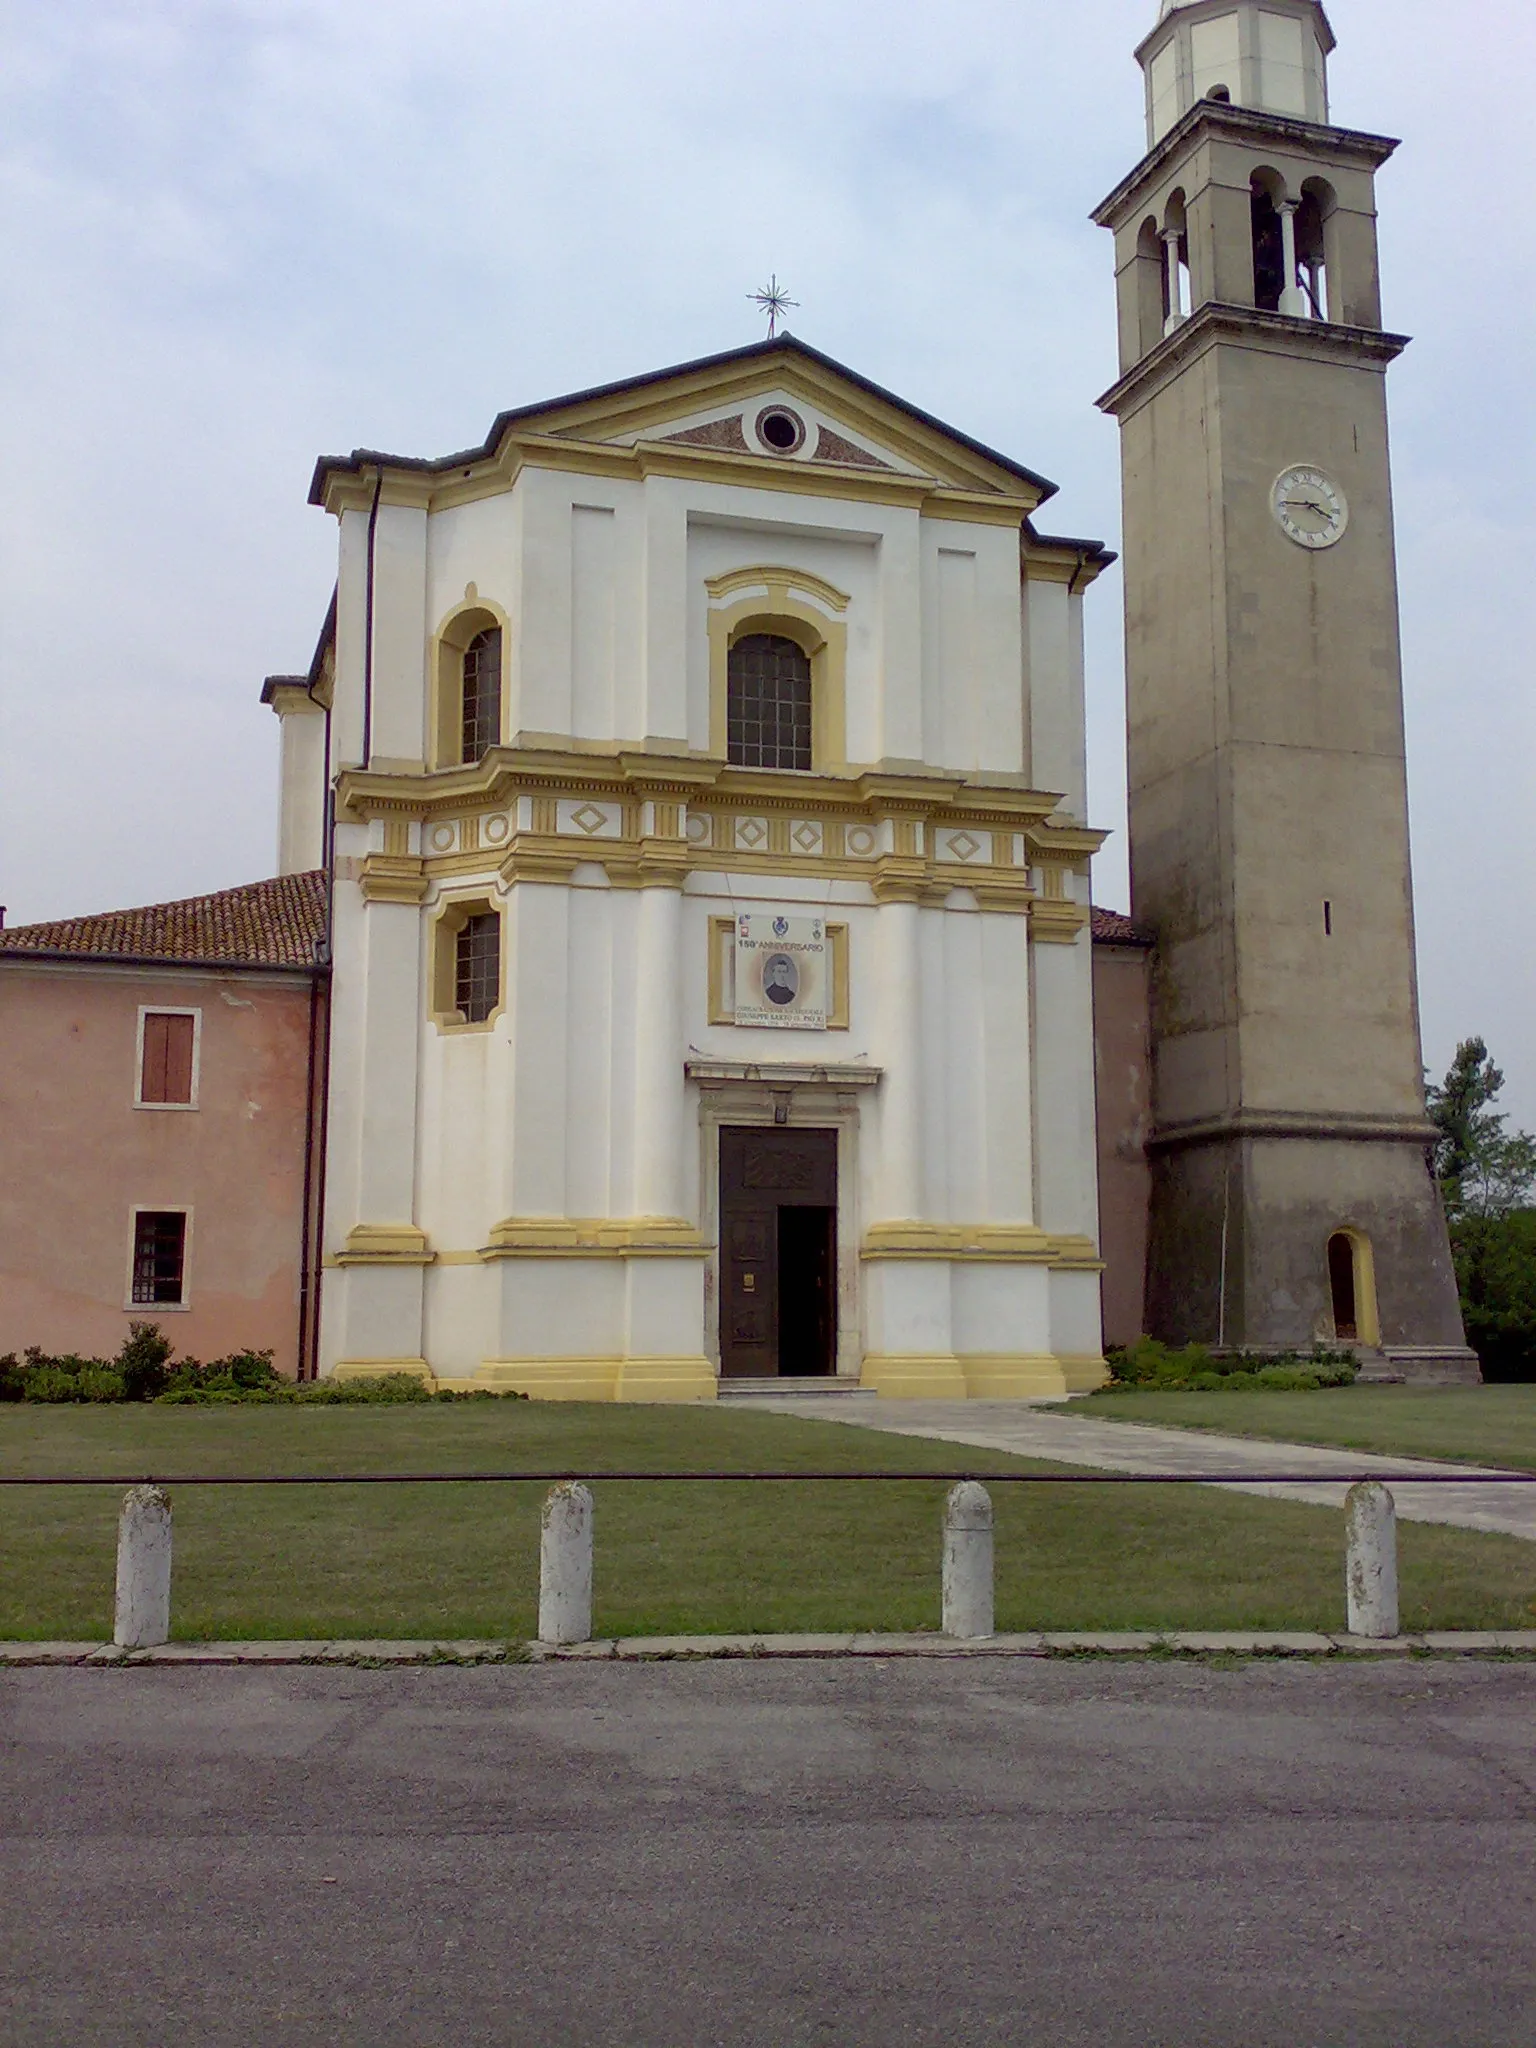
x=768 y=702
x=469 y=652
x=480 y=699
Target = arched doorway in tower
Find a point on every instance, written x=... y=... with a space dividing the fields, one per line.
x=1341 y=1285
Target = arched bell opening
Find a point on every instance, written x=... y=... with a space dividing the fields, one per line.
x=1174 y=235
x=1313 y=217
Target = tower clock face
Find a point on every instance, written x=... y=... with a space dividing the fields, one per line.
x=1309 y=507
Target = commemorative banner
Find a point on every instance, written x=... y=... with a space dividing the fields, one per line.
x=781 y=971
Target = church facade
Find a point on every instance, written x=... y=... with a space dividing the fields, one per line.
x=712 y=983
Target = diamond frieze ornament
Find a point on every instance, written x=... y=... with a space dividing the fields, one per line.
x=589 y=819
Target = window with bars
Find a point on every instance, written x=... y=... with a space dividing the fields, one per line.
x=482 y=694
x=477 y=967
x=159 y=1256
x=768 y=703
x=166 y=1057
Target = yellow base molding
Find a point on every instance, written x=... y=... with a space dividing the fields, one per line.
x=1013 y=1377
x=594 y=1237
x=914 y=1379
x=1084 y=1374
x=983 y=1376
x=385 y=1244
x=600 y=1379
x=383 y=1368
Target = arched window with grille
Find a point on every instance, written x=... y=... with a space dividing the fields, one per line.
x=482 y=694
x=768 y=703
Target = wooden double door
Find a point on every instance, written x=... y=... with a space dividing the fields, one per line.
x=778 y=1252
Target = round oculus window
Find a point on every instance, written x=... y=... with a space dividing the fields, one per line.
x=780 y=429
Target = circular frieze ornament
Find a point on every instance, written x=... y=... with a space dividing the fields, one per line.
x=442 y=838
x=1309 y=507
x=494 y=829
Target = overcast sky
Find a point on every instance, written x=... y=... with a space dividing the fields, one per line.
x=239 y=233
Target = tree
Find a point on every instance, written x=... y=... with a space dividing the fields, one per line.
x=1488 y=1177
x=1484 y=1171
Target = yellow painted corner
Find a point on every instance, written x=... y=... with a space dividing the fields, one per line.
x=940 y=1378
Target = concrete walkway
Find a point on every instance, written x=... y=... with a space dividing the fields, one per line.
x=1029 y=1432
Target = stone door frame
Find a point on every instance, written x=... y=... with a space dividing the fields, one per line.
x=817 y=1098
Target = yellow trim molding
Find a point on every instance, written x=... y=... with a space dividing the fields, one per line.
x=1056 y=923
x=393 y=878
x=599 y=1379
x=678 y=814
x=940 y=1378
x=981 y=1376
x=594 y=1237
x=385 y=1244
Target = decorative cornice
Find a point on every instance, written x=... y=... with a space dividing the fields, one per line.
x=1229 y=122
x=385 y=1244
x=1247 y=327
x=594 y=1237
x=711 y=1074
x=1317 y=1125
x=393 y=878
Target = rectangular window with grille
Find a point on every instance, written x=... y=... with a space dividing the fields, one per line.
x=477 y=967
x=166 y=1058
x=159 y=1257
x=768 y=703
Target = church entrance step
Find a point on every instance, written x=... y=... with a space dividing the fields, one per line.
x=791 y=1387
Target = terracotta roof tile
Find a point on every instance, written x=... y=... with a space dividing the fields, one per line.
x=264 y=924
x=1113 y=928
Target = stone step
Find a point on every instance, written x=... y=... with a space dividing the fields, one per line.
x=789 y=1387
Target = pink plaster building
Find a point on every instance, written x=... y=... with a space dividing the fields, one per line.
x=161 y=1076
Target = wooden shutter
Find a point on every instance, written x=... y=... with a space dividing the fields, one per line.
x=167 y=1071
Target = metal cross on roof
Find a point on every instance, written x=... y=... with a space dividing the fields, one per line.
x=775 y=302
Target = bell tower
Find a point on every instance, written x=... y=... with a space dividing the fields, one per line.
x=1292 y=1196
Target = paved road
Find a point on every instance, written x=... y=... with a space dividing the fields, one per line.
x=679 y=1856
x=1507 y=1510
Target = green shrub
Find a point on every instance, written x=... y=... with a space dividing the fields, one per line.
x=1158 y=1368
x=141 y=1362
x=12 y=1378
x=390 y=1386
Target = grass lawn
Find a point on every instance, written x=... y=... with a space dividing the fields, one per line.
x=462 y=1561
x=1477 y=1425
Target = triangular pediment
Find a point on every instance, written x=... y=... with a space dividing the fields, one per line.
x=725 y=403
x=717 y=412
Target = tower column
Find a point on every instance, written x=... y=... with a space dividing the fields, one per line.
x=1293 y=299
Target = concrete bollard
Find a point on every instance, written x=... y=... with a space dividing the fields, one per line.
x=143 y=1613
x=1370 y=1560
x=968 y=1561
x=565 y=1564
